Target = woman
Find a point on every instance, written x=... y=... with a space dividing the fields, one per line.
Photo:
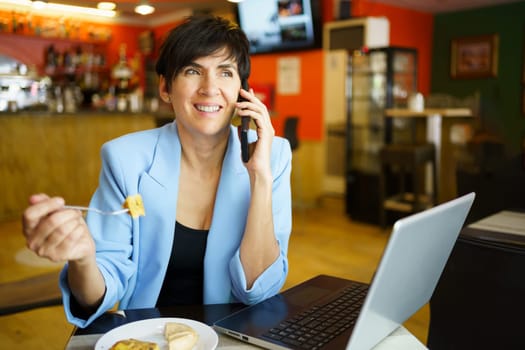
x=216 y=229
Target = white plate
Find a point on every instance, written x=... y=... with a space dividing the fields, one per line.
x=152 y=330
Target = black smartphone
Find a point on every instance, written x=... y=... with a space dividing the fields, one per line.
x=245 y=126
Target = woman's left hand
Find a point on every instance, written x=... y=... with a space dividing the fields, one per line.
x=259 y=247
x=260 y=150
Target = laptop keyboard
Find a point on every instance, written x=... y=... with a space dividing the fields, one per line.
x=313 y=328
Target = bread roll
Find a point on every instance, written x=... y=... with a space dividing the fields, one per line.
x=180 y=336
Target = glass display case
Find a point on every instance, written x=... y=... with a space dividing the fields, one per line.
x=379 y=78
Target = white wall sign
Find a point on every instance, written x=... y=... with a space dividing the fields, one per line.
x=289 y=76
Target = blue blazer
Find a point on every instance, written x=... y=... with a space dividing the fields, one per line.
x=133 y=254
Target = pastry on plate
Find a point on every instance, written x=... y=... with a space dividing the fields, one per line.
x=180 y=336
x=134 y=344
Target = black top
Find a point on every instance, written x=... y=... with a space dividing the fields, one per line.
x=183 y=283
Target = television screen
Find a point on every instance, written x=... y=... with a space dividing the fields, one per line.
x=280 y=25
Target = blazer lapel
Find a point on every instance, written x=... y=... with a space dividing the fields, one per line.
x=231 y=204
x=159 y=189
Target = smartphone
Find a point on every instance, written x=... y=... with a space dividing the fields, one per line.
x=245 y=126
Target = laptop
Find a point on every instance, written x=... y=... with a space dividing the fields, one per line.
x=412 y=262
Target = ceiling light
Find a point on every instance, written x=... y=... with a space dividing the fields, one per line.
x=51 y=8
x=106 y=5
x=39 y=4
x=144 y=8
x=235 y=1
x=80 y=10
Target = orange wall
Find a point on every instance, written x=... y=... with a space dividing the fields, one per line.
x=308 y=104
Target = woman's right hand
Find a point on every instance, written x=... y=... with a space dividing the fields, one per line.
x=56 y=233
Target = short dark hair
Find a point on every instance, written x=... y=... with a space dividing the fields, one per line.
x=200 y=36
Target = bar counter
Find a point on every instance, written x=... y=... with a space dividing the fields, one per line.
x=58 y=154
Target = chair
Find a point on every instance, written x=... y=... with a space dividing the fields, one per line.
x=496 y=178
x=401 y=161
x=30 y=293
x=290 y=131
x=291 y=124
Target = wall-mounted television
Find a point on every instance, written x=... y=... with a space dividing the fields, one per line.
x=281 y=25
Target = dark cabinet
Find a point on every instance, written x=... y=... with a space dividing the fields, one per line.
x=380 y=78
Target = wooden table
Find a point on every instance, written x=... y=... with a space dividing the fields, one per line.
x=438 y=124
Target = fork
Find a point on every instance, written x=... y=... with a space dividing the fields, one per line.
x=95 y=210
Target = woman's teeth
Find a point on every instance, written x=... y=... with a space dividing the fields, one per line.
x=208 y=109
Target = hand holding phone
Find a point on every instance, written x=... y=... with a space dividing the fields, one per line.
x=245 y=126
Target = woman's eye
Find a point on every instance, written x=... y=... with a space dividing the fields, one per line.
x=191 y=71
x=227 y=74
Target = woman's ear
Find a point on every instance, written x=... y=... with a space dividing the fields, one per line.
x=163 y=90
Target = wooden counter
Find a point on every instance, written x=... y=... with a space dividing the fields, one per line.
x=56 y=154
x=443 y=112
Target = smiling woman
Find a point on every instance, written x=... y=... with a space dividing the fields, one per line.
x=189 y=174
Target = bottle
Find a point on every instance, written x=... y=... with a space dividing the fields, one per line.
x=122 y=72
x=416 y=102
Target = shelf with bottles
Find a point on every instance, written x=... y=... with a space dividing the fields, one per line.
x=77 y=64
x=55 y=72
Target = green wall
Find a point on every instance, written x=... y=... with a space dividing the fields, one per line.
x=501 y=97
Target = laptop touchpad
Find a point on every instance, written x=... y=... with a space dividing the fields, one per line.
x=306 y=296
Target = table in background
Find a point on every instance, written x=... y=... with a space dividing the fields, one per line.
x=478 y=302
x=86 y=338
x=437 y=131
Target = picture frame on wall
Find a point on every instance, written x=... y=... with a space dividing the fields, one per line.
x=474 y=57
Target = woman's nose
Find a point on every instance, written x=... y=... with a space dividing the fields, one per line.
x=209 y=86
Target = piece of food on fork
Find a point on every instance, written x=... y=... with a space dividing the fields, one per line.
x=135 y=205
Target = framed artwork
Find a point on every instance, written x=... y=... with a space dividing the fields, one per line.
x=474 y=57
